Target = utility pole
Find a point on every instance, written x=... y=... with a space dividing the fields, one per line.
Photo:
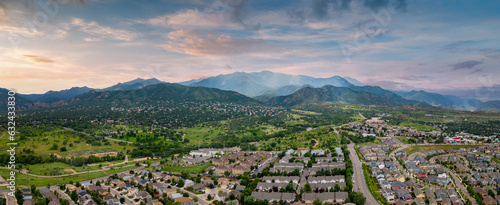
x=27 y=176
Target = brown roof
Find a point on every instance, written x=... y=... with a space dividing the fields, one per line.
x=489 y=200
x=182 y=199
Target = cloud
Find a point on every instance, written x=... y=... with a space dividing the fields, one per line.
x=389 y=84
x=473 y=46
x=221 y=14
x=457 y=46
x=465 y=65
x=37 y=59
x=99 y=32
x=318 y=10
x=398 y=5
x=415 y=78
x=296 y=15
x=187 y=18
x=321 y=8
x=237 y=12
x=209 y=44
x=490 y=53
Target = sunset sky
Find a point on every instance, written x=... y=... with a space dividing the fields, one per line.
x=434 y=45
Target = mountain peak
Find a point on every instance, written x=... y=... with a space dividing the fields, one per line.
x=141 y=80
x=267 y=82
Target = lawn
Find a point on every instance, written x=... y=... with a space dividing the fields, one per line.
x=49 y=169
x=376 y=141
x=200 y=134
x=424 y=148
x=190 y=169
x=420 y=127
x=57 y=168
x=22 y=179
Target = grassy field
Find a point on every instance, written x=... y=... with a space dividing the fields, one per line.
x=420 y=127
x=301 y=139
x=404 y=140
x=57 y=168
x=191 y=169
x=206 y=134
x=122 y=169
x=305 y=112
x=376 y=141
x=424 y=148
x=22 y=179
x=41 y=145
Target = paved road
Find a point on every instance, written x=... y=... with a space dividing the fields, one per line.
x=118 y=195
x=9 y=199
x=63 y=195
x=359 y=178
x=201 y=198
x=458 y=181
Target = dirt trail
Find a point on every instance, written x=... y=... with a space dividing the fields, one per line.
x=316 y=144
x=70 y=170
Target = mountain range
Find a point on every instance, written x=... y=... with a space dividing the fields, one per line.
x=275 y=89
x=349 y=95
x=267 y=83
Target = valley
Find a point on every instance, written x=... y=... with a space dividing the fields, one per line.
x=198 y=138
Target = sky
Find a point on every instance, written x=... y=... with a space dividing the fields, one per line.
x=449 y=47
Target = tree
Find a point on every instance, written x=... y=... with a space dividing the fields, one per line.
x=54 y=147
x=19 y=196
x=227 y=173
x=307 y=187
x=317 y=202
x=296 y=172
x=122 y=200
x=289 y=187
x=77 y=184
x=74 y=195
x=337 y=188
x=64 y=202
x=491 y=193
x=359 y=199
x=180 y=183
x=185 y=194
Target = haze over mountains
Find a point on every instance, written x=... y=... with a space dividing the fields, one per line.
x=277 y=89
x=267 y=83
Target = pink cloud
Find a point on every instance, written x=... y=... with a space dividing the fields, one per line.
x=209 y=44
